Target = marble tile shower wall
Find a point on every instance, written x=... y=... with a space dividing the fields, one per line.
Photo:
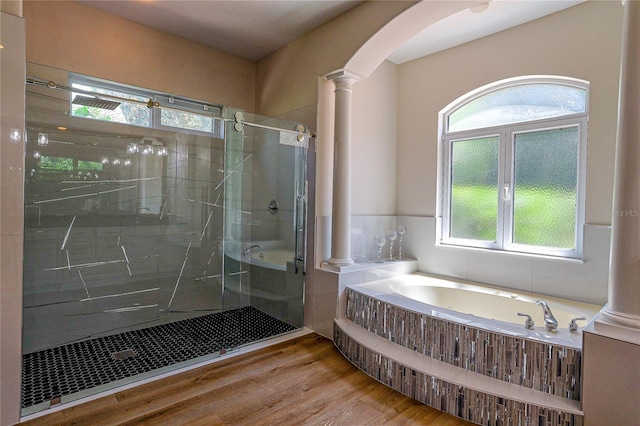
x=469 y=404
x=552 y=369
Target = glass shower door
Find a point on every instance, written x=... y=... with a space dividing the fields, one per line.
x=264 y=216
x=147 y=249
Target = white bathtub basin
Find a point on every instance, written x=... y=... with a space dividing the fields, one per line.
x=272 y=258
x=483 y=306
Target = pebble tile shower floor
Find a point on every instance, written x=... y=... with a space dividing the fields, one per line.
x=64 y=370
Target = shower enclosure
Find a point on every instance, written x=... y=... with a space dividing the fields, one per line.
x=148 y=248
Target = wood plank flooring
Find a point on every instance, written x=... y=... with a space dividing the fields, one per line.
x=300 y=381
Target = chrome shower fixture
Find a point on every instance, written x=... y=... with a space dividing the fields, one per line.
x=95 y=102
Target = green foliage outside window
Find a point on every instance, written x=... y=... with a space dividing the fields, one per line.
x=89 y=165
x=56 y=163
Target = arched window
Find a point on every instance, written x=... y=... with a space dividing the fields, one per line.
x=513 y=166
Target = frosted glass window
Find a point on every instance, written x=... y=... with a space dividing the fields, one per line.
x=514 y=167
x=518 y=104
x=544 y=197
x=474 y=189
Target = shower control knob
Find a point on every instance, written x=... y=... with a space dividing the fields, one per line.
x=273 y=207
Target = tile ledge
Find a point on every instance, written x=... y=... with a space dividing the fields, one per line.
x=456 y=375
x=366 y=266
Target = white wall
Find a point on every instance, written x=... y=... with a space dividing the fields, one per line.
x=582 y=42
x=374 y=124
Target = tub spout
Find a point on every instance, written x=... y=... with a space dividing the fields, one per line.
x=248 y=249
x=550 y=322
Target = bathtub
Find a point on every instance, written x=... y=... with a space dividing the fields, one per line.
x=270 y=254
x=488 y=308
x=266 y=279
x=272 y=258
x=461 y=347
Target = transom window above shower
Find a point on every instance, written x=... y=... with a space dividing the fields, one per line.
x=107 y=101
x=513 y=166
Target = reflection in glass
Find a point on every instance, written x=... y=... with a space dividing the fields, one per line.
x=43 y=139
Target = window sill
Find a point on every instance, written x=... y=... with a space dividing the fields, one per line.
x=576 y=260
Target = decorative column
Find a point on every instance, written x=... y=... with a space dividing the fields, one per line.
x=624 y=274
x=341 y=205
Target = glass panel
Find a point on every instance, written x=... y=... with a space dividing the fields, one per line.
x=118 y=246
x=136 y=242
x=544 y=199
x=107 y=231
x=126 y=112
x=474 y=189
x=518 y=104
x=237 y=216
x=264 y=215
x=186 y=120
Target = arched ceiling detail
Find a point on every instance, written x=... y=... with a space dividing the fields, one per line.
x=400 y=29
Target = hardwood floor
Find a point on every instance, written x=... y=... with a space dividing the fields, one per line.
x=300 y=381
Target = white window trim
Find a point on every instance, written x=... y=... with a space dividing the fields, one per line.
x=507 y=133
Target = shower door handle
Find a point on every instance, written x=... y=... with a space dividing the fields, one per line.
x=299 y=229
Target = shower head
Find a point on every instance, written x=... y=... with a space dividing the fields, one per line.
x=95 y=102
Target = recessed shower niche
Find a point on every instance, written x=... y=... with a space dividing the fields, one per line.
x=151 y=247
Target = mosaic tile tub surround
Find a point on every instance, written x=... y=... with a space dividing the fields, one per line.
x=469 y=404
x=545 y=367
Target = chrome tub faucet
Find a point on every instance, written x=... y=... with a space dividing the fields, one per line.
x=550 y=322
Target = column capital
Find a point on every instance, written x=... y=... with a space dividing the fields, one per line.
x=343 y=76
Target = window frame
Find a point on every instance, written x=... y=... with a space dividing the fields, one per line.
x=506 y=162
x=106 y=85
x=190 y=107
x=161 y=100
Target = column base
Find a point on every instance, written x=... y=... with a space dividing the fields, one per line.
x=340 y=265
x=612 y=324
x=340 y=262
x=625 y=320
